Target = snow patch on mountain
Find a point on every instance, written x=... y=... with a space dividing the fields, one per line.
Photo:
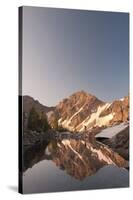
x=122 y=99
x=81 y=112
x=95 y=117
x=112 y=131
x=104 y=120
x=49 y=114
x=66 y=122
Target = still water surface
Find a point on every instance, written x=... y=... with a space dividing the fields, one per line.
x=71 y=165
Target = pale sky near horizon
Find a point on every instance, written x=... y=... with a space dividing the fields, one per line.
x=65 y=51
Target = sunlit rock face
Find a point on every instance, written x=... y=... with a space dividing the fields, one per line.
x=81 y=159
x=73 y=110
x=82 y=111
x=119 y=109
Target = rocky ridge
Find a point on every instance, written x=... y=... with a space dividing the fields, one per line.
x=82 y=111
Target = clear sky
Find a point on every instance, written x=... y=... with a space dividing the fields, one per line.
x=65 y=51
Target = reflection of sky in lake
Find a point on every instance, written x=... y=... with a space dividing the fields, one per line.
x=46 y=177
x=72 y=165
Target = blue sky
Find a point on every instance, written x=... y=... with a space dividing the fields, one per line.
x=65 y=51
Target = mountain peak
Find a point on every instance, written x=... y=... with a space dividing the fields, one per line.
x=81 y=93
x=82 y=110
x=76 y=108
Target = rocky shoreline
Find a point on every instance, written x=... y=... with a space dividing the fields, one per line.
x=32 y=138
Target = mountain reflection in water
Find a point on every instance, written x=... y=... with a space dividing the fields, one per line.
x=54 y=165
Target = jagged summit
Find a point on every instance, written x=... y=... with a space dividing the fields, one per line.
x=80 y=94
x=82 y=111
x=78 y=98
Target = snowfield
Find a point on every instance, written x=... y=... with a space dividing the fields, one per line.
x=112 y=131
x=99 y=121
